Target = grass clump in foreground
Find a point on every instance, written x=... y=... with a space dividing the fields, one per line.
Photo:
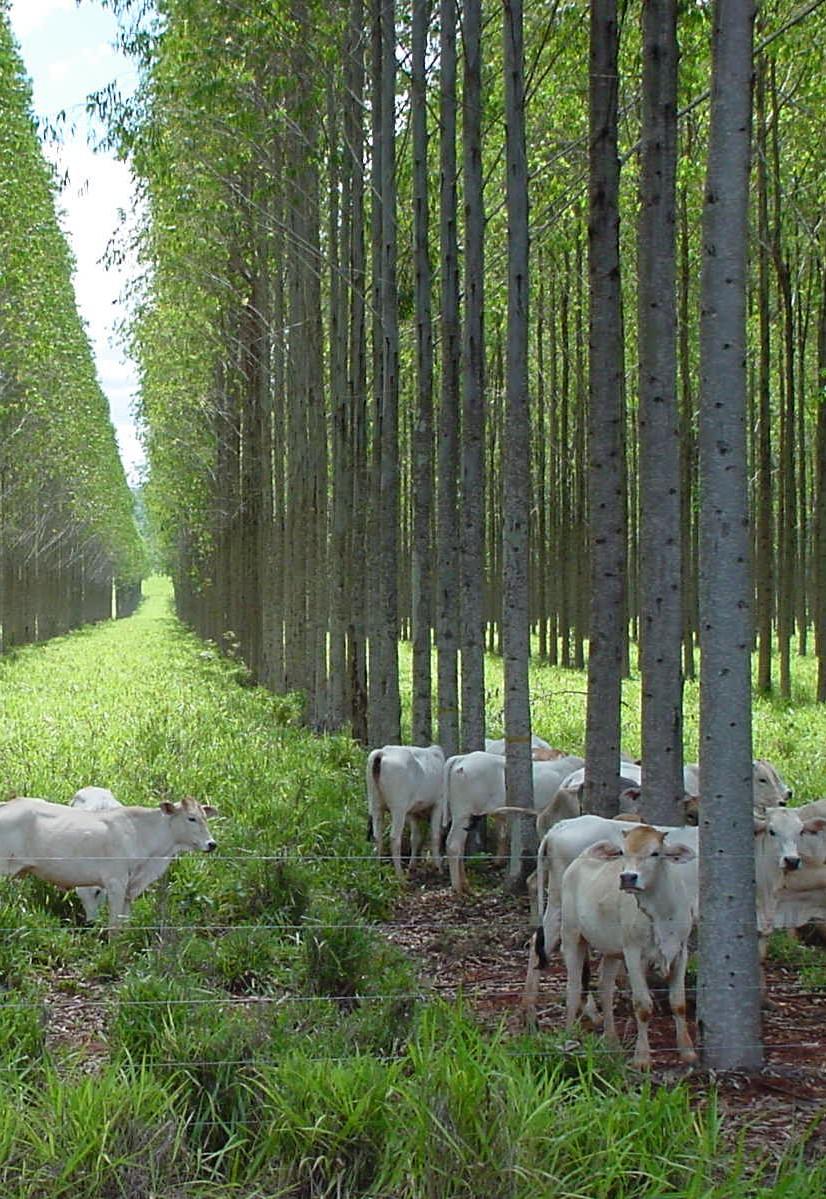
x=260 y=1038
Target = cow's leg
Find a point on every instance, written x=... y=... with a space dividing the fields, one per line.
x=502 y=838
x=530 y=992
x=574 y=949
x=396 y=832
x=455 y=850
x=608 y=970
x=118 y=906
x=676 y=997
x=643 y=1007
x=436 y=835
x=416 y=838
x=378 y=829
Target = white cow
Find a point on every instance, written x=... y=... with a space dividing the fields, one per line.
x=123 y=850
x=406 y=781
x=777 y=834
x=497 y=745
x=631 y=903
x=770 y=791
x=93 y=799
x=474 y=786
x=801 y=896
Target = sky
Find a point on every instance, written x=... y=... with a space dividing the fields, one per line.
x=68 y=52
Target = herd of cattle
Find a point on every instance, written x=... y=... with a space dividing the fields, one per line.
x=627 y=890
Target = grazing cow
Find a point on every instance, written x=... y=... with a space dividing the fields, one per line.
x=93 y=799
x=474 y=786
x=123 y=850
x=770 y=791
x=406 y=781
x=632 y=903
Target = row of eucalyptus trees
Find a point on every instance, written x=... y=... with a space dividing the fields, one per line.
x=69 y=546
x=327 y=386
x=433 y=345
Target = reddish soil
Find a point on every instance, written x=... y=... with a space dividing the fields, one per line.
x=477 y=946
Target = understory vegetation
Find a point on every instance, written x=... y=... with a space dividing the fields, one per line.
x=250 y=1032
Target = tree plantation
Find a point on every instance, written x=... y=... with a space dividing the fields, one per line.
x=482 y=362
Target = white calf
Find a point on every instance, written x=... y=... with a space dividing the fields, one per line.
x=631 y=903
x=406 y=781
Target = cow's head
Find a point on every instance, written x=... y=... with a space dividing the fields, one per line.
x=643 y=851
x=188 y=823
x=769 y=789
x=777 y=831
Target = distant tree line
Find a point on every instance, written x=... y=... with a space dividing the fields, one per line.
x=69 y=545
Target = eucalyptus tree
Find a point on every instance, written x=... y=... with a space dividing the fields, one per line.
x=659 y=425
x=606 y=467
x=517 y=461
x=422 y=446
x=473 y=388
x=729 y=990
x=447 y=522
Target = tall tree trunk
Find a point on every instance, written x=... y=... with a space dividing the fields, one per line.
x=820 y=511
x=764 y=547
x=606 y=489
x=447 y=549
x=388 y=545
x=517 y=461
x=422 y=467
x=659 y=445
x=357 y=382
x=473 y=408
x=729 y=991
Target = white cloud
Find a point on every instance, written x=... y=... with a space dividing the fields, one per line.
x=28 y=16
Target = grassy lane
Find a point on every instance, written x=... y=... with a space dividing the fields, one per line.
x=249 y=1033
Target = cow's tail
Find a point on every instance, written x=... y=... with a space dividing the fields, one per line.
x=541 y=854
x=374 y=794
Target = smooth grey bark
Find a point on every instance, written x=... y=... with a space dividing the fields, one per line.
x=606 y=487
x=337 y=248
x=422 y=440
x=473 y=392
x=787 y=498
x=516 y=458
x=764 y=547
x=447 y=521
x=660 y=605
x=357 y=379
x=376 y=723
x=820 y=510
x=389 y=477
x=729 y=986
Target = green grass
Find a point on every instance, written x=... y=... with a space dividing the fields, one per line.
x=336 y=1079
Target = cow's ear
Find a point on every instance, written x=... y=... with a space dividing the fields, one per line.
x=166 y=806
x=208 y=810
x=679 y=853
x=816 y=825
x=604 y=851
x=760 y=825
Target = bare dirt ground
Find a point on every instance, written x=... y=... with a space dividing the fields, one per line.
x=476 y=946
